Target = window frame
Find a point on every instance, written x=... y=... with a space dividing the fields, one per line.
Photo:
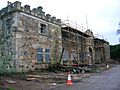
x=47 y=53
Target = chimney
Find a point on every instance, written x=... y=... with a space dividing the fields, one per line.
x=35 y=11
x=9 y=3
x=48 y=16
x=27 y=8
x=17 y=5
x=53 y=18
x=39 y=9
x=59 y=21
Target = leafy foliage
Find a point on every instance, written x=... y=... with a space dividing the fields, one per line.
x=115 y=52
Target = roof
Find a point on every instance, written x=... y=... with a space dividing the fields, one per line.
x=102 y=40
x=75 y=31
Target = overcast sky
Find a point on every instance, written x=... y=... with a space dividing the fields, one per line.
x=103 y=16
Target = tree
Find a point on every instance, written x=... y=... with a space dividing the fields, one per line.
x=115 y=52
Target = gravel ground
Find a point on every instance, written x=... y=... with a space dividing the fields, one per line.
x=41 y=82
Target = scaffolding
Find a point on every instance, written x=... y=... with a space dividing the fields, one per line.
x=74 y=43
x=100 y=50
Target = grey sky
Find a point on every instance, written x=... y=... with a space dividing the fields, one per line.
x=103 y=16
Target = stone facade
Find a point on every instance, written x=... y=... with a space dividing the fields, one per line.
x=83 y=48
x=102 y=51
x=75 y=46
x=32 y=39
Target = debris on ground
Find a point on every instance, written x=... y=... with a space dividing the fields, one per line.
x=54 y=84
x=30 y=79
x=44 y=80
x=11 y=81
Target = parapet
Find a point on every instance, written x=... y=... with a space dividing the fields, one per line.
x=37 y=12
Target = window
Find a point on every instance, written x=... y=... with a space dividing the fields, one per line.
x=47 y=55
x=8 y=26
x=73 y=56
x=81 y=56
x=43 y=29
x=65 y=56
x=40 y=55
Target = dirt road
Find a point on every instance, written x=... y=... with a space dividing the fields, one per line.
x=107 y=80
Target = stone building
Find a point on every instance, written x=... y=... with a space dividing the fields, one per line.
x=75 y=46
x=83 y=48
x=102 y=51
x=32 y=39
x=99 y=49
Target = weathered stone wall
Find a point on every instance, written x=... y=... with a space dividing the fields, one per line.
x=98 y=46
x=7 y=45
x=28 y=30
x=27 y=34
x=90 y=47
x=75 y=46
x=29 y=39
x=102 y=51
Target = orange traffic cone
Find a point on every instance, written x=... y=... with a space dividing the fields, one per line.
x=69 y=81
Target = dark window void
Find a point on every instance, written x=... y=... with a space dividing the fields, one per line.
x=43 y=28
x=91 y=54
x=90 y=50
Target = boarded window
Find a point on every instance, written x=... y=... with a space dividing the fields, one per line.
x=47 y=55
x=73 y=56
x=40 y=55
x=82 y=56
x=65 y=56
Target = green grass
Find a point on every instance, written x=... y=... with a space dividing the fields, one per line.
x=11 y=88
